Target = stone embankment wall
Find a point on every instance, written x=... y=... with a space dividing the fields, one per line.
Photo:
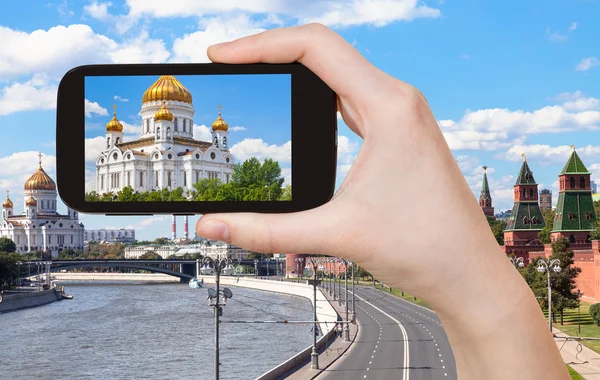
x=142 y=277
x=15 y=301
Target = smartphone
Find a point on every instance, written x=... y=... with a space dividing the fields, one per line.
x=190 y=139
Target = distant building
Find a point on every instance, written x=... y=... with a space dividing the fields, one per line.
x=210 y=248
x=545 y=199
x=594 y=187
x=504 y=215
x=110 y=235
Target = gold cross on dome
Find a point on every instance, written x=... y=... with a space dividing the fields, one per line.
x=220 y=106
x=40 y=159
x=7 y=191
x=115 y=110
x=524 y=157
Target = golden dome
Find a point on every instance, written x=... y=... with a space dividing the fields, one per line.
x=163 y=113
x=40 y=180
x=220 y=124
x=114 y=125
x=31 y=202
x=167 y=87
x=7 y=202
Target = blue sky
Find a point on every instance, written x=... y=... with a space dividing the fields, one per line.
x=502 y=78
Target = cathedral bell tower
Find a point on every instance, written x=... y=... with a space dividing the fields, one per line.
x=163 y=126
x=575 y=214
x=7 y=207
x=30 y=207
x=220 y=132
x=114 y=131
x=485 y=199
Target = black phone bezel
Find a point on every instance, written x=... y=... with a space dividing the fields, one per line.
x=314 y=140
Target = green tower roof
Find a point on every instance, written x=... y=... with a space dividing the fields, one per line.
x=574 y=165
x=485 y=188
x=525 y=175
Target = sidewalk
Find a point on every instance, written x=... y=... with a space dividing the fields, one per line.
x=332 y=351
x=576 y=355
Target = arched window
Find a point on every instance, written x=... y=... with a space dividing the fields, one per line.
x=158 y=132
x=571 y=239
x=524 y=193
x=175 y=125
x=588 y=216
x=525 y=220
x=147 y=125
x=571 y=216
x=184 y=125
x=118 y=140
x=572 y=182
x=582 y=183
x=168 y=133
x=169 y=178
x=534 y=220
x=107 y=142
x=530 y=193
x=224 y=141
x=141 y=178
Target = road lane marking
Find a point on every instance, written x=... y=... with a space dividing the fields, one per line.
x=406 y=370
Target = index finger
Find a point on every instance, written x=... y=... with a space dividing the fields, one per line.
x=318 y=48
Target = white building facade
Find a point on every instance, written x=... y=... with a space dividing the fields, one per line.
x=166 y=155
x=214 y=250
x=40 y=227
x=121 y=235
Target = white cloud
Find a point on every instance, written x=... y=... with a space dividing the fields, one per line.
x=587 y=63
x=286 y=173
x=90 y=180
x=192 y=47
x=31 y=95
x=202 y=133
x=97 y=10
x=345 y=146
x=595 y=170
x=493 y=129
x=121 y=99
x=573 y=27
x=466 y=57
x=141 y=49
x=258 y=148
x=546 y=154
x=237 y=129
x=331 y=12
x=94 y=108
x=555 y=36
x=93 y=147
x=135 y=130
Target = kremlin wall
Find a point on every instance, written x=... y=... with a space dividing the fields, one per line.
x=575 y=220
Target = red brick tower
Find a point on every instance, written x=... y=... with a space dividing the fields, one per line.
x=485 y=199
x=293 y=266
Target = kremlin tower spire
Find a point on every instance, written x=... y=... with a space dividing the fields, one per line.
x=485 y=199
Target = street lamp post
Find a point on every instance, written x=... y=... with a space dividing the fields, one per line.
x=347 y=327
x=518 y=262
x=218 y=266
x=19 y=276
x=545 y=266
x=308 y=273
x=353 y=297
x=339 y=268
x=578 y=312
x=255 y=268
x=268 y=259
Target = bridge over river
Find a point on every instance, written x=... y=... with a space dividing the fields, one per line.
x=185 y=269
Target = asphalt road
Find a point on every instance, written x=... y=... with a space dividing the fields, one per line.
x=392 y=333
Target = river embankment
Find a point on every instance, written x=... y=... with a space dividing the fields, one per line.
x=113 y=277
x=21 y=300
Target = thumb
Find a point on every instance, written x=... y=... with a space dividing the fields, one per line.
x=302 y=232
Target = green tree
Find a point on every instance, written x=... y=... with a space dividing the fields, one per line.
x=92 y=197
x=7 y=245
x=544 y=234
x=497 y=227
x=150 y=255
x=595 y=313
x=595 y=235
x=286 y=193
x=127 y=194
x=161 y=241
x=9 y=270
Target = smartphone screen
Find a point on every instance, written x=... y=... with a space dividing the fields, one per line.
x=199 y=138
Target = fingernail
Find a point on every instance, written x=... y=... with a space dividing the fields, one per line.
x=215 y=230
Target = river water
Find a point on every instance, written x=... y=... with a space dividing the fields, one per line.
x=158 y=331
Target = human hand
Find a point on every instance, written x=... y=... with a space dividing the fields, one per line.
x=403 y=199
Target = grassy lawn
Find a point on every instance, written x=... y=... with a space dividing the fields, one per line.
x=574 y=374
x=588 y=328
